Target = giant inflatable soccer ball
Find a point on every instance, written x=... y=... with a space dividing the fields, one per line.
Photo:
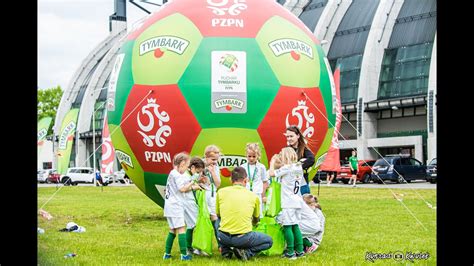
x=223 y=72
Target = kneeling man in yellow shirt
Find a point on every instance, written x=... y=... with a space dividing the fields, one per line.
x=237 y=209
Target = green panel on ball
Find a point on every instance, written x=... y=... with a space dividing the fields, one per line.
x=124 y=84
x=126 y=157
x=162 y=52
x=262 y=85
x=155 y=185
x=325 y=88
x=290 y=52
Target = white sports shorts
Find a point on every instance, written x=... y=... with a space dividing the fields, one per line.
x=175 y=222
x=289 y=216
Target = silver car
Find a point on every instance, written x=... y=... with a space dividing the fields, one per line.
x=43 y=174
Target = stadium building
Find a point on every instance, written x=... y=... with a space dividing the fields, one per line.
x=386 y=50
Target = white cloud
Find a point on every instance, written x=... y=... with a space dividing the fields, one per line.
x=68 y=31
x=63 y=42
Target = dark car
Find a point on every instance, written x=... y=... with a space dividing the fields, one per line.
x=398 y=168
x=363 y=174
x=432 y=172
x=320 y=175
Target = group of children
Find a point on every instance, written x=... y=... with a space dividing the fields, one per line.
x=301 y=216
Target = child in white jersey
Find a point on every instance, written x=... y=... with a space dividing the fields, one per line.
x=291 y=174
x=174 y=209
x=192 y=175
x=312 y=223
x=256 y=173
x=213 y=174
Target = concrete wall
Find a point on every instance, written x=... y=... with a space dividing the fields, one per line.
x=329 y=21
x=401 y=124
x=377 y=41
x=431 y=141
x=46 y=154
x=347 y=130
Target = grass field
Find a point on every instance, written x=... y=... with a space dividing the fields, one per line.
x=126 y=227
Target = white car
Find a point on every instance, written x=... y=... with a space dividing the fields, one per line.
x=122 y=177
x=43 y=174
x=75 y=175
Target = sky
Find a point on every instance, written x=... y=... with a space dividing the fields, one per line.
x=68 y=30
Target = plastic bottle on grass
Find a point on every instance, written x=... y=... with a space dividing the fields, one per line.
x=70 y=255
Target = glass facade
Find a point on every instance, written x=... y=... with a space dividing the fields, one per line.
x=405 y=71
x=98 y=154
x=350 y=73
x=99 y=109
x=312 y=12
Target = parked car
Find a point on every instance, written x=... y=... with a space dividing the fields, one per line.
x=363 y=175
x=75 y=175
x=320 y=175
x=432 y=172
x=53 y=177
x=397 y=168
x=122 y=177
x=43 y=175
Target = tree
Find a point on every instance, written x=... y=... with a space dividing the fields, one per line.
x=48 y=103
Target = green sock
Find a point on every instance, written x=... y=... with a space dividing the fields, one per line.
x=307 y=243
x=182 y=243
x=290 y=240
x=189 y=238
x=169 y=242
x=298 y=238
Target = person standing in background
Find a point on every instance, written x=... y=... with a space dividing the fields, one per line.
x=296 y=140
x=353 y=162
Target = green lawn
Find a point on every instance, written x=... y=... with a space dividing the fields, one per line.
x=125 y=227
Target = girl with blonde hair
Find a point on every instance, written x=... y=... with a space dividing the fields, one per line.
x=256 y=173
x=291 y=175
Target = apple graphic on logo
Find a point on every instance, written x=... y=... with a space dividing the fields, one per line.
x=158 y=53
x=295 y=55
x=228 y=107
x=225 y=172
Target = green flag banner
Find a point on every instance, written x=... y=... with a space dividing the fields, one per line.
x=43 y=126
x=66 y=137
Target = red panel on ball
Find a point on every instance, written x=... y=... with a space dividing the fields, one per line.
x=158 y=126
x=291 y=107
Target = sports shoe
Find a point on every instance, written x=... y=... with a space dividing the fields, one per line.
x=291 y=256
x=227 y=255
x=312 y=248
x=166 y=256
x=299 y=254
x=240 y=254
x=186 y=257
x=196 y=252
